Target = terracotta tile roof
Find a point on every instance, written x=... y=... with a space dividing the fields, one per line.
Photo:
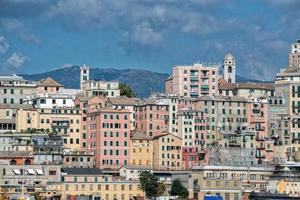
x=17 y=106
x=49 y=82
x=124 y=101
x=140 y=136
x=266 y=86
x=228 y=86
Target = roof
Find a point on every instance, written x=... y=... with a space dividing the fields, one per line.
x=165 y=134
x=124 y=101
x=49 y=82
x=227 y=86
x=140 y=167
x=15 y=154
x=250 y=85
x=140 y=136
x=17 y=106
x=82 y=171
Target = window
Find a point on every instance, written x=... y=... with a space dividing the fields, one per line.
x=4 y=91
x=52 y=173
x=12 y=91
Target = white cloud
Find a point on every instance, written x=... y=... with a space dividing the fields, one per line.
x=17 y=27
x=4 y=45
x=16 y=60
x=144 y=34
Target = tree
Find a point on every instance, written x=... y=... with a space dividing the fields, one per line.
x=125 y=90
x=149 y=184
x=178 y=189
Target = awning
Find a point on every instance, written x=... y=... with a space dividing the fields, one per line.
x=17 y=171
x=40 y=172
x=30 y=171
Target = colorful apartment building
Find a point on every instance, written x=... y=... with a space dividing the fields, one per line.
x=193 y=81
x=108 y=136
x=141 y=150
x=152 y=116
x=167 y=152
x=91 y=183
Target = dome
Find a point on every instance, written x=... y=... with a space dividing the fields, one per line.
x=228 y=56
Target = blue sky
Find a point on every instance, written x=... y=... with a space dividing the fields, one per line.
x=40 y=35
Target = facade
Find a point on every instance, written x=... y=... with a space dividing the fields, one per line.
x=100 y=88
x=141 y=150
x=48 y=86
x=14 y=89
x=108 y=136
x=167 y=152
x=152 y=116
x=230 y=182
x=93 y=184
x=194 y=81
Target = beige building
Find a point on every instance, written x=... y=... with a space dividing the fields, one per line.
x=92 y=183
x=230 y=182
x=167 y=152
x=141 y=151
x=14 y=89
x=65 y=121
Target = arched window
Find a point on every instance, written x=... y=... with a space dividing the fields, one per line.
x=229 y=69
x=13 y=162
x=27 y=162
x=229 y=80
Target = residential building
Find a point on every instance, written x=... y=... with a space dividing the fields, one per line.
x=48 y=86
x=14 y=89
x=93 y=184
x=141 y=150
x=167 y=152
x=194 y=81
x=108 y=136
x=152 y=116
x=230 y=182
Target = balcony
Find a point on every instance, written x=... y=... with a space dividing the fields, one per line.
x=260 y=138
x=260 y=156
x=205 y=75
x=60 y=123
x=194 y=78
x=260 y=147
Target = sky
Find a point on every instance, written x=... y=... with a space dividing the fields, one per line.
x=41 y=35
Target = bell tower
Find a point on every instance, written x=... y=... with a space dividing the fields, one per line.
x=84 y=75
x=229 y=68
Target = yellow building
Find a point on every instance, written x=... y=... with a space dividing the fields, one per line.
x=230 y=182
x=167 y=152
x=92 y=183
x=141 y=151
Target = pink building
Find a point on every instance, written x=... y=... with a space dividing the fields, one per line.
x=193 y=81
x=257 y=117
x=108 y=132
x=169 y=86
x=87 y=105
x=152 y=118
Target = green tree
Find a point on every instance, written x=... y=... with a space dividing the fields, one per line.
x=126 y=91
x=149 y=184
x=178 y=189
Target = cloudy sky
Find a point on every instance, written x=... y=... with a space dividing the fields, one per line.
x=40 y=35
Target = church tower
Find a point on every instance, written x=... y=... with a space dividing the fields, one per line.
x=84 y=75
x=229 y=68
